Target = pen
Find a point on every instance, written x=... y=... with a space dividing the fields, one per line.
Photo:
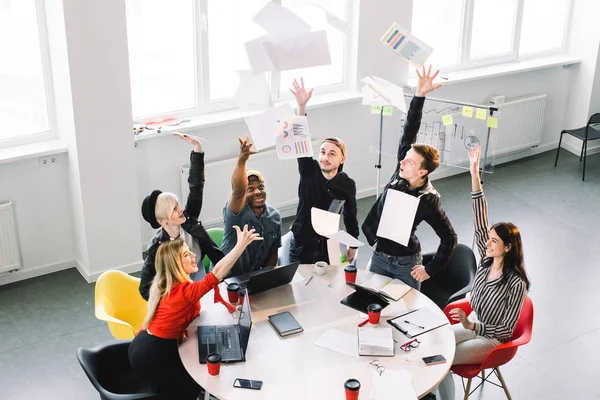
x=408 y=322
x=308 y=281
x=363 y=323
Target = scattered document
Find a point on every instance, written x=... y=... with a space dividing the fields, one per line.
x=392 y=385
x=253 y=91
x=398 y=216
x=258 y=58
x=417 y=322
x=407 y=46
x=379 y=92
x=375 y=341
x=282 y=25
x=336 y=340
x=326 y=223
x=265 y=126
x=293 y=138
x=310 y=50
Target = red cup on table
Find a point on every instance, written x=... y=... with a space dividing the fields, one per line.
x=242 y=293
x=232 y=292
x=213 y=362
x=350 y=273
x=374 y=312
x=352 y=388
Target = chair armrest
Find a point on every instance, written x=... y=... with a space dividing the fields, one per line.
x=463 y=304
x=460 y=294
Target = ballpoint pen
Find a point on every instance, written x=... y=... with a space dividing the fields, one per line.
x=363 y=323
x=408 y=322
x=308 y=281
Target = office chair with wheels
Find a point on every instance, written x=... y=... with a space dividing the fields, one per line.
x=584 y=134
x=501 y=354
x=455 y=280
x=119 y=303
x=108 y=369
x=217 y=235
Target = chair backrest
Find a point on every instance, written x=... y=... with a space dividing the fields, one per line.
x=594 y=119
x=216 y=234
x=524 y=328
x=118 y=302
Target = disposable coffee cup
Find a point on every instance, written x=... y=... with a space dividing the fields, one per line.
x=374 y=312
x=320 y=267
x=350 y=273
x=242 y=293
x=352 y=388
x=232 y=292
x=213 y=362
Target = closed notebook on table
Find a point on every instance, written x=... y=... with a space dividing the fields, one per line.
x=285 y=324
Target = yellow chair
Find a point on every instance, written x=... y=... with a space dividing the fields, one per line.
x=119 y=303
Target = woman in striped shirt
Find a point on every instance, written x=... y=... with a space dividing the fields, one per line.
x=499 y=290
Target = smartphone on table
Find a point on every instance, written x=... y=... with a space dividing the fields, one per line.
x=436 y=359
x=247 y=384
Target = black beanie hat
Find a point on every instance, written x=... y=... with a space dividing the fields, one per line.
x=148 y=206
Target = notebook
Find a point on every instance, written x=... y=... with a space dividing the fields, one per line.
x=374 y=341
x=393 y=289
x=285 y=324
x=417 y=322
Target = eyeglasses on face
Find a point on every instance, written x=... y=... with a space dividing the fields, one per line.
x=413 y=344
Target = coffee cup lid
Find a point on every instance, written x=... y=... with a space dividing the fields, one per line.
x=374 y=307
x=350 y=268
x=352 y=384
x=214 y=358
x=233 y=287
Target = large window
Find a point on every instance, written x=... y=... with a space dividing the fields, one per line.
x=23 y=91
x=185 y=55
x=470 y=33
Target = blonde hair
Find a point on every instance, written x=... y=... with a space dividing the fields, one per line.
x=165 y=204
x=169 y=271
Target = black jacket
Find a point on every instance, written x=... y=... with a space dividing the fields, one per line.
x=192 y=226
x=429 y=210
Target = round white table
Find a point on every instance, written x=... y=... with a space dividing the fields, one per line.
x=294 y=367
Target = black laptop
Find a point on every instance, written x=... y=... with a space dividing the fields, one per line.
x=230 y=341
x=267 y=278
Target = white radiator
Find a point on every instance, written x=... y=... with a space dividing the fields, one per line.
x=9 y=246
x=521 y=124
x=281 y=183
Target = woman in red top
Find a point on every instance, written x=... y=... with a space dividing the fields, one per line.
x=173 y=304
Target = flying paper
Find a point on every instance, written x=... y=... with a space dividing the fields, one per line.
x=253 y=91
x=407 y=46
x=293 y=138
x=379 y=92
x=265 y=126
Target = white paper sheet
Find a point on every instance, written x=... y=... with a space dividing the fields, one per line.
x=265 y=126
x=407 y=46
x=311 y=50
x=334 y=252
x=392 y=385
x=398 y=216
x=293 y=138
x=258 y=58
x=253 y=91
x=379 y=92
x=420 y=321
x=282 y=25
x=342 y=342
x=345 y=238
x=324 y=222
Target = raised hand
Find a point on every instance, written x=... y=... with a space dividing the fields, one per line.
x=301 y=94
x=474 y=156
x=245 y=236
x=425 y=82
x=245 y=152
x=195 y=141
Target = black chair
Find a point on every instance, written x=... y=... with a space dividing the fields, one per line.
x=107 y=367
x=584 y=134
x=453 y=282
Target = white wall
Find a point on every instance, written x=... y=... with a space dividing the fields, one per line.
x=96 y=190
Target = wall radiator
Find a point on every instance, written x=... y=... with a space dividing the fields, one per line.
x=281 y=181
x=521 y=124
x=9 y=246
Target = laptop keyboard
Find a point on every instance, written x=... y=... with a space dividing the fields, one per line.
x=229 y=342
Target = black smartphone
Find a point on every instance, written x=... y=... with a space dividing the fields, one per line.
x=432 y=360
x=247 y=384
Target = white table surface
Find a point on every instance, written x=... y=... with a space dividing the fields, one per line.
x=294 y=367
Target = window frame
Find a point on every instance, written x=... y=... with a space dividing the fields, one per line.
x=51 y=132
x=467 y=62
x=204 y=105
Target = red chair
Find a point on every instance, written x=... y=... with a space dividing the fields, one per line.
x=500 y=355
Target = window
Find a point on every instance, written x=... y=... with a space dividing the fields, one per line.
x=188 y=65
x=470 y=33
x=23 y=91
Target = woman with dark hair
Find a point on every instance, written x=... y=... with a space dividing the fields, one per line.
x=499 y=289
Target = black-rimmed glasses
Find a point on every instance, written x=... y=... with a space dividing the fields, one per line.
x=378 y=367
x=413 y=344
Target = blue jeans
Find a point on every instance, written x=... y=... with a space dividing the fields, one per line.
x=396 y=267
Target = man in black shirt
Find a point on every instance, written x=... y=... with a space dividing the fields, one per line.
x=322 y=185
x=415 y=163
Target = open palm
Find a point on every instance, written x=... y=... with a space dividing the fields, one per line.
x=425 y=82
x=302 y=95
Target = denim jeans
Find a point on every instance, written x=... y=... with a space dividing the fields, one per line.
x=396 y=267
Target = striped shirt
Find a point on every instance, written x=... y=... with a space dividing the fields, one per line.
x=497 y=303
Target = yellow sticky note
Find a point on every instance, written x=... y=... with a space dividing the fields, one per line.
x=467 y=112
x=376 y=110
x=492 y=122
x=447 y=119
x=480 y=113
x=388 y=110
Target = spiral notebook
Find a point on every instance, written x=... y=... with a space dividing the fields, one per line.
x=417 y=322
